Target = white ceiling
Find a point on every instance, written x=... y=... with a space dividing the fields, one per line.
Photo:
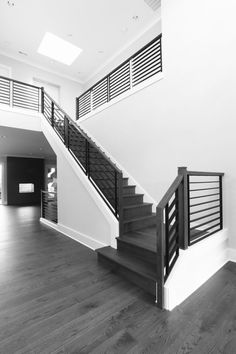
x=20 y=142
x=104 y=26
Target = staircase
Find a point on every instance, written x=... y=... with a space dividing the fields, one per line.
x=135 y=257
x=148 y=243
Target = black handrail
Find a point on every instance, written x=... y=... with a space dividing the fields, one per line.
x=104 y=175
x=138 y=70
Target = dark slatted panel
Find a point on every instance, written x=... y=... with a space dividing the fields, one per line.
x=77 y=145
x=84 y=104
x=204 y=196
x=25 y=96
x=102 y=174
x=171 y=233
x=147 y=63
x=100 y=93
x=49 y=206
x=4 y=91
x=119 y=80
x=144 y=64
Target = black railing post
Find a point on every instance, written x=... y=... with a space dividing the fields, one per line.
x=52 y=114
x=108 y=88
x=221 y=202
x=160 y=258
x=66 y=132
x=42 y=100
x=119 y=201
x=87 y=162
x=183 y=217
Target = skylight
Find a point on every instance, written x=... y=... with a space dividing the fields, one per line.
x=58 y=49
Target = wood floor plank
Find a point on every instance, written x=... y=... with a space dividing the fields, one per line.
x=55 y=298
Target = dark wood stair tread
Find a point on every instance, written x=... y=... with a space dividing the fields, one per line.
x=130 y=262
x=147 y=242
x=136 y=205
x=140 y=218
x=132 y=195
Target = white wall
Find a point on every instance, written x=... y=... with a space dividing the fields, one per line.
x=188 y=118
x=69 y=89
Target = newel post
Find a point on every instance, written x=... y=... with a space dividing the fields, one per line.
x=161 y=258
x=183 y=208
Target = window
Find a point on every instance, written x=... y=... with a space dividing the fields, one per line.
x=26 y=188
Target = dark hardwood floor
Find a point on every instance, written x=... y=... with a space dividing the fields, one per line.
x=56 y=298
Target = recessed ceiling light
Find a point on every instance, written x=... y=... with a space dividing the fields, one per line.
x=22 y=53
x=58 y=49
x=3 y=136
x=100 y=51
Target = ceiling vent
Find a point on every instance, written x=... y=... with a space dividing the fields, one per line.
x=153 y=4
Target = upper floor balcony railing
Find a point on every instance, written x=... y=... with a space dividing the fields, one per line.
x=141 y=66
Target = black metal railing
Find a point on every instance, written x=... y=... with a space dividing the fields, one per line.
x=49 y=206
x=105 y=176
x=141 y=66
x=101 y=171
x=19 y=94
x=204 y=203
x=169 y=232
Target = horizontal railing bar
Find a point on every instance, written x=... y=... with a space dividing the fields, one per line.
x=205 y=182
x=196 y=173
x=203 y=237
x=209 y=228
x=204 y=217
x=203 y=189
x=173 y=215
x=205 y=223
x=19 y=82
x=154 y=53
x=209 y=201
x=202 y=210
x=204 y=196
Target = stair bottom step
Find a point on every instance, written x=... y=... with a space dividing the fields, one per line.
x=119 y=266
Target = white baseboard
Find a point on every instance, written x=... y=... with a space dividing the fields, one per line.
x=85 y=240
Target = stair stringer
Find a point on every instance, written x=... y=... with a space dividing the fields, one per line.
x=102 y=224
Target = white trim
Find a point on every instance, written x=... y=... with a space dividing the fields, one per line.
x=232 y=254
x=54 y=72
x=49 y=223
x=79 y=237
x=123 y=96
x=122 y=49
